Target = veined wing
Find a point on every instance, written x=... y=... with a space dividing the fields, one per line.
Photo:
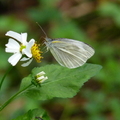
x=72 y=44
x=71 y=54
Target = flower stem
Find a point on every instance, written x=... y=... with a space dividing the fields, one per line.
x=5 y=76
x=13 y=97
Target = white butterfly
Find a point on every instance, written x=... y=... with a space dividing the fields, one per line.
x=68 y=52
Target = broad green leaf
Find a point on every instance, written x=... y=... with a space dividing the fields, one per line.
x=62 y=82
x=35 y=114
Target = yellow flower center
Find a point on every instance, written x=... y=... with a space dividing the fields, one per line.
x=22 y=47
x=36 y=52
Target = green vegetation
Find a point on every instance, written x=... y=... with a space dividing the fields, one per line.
x=94 y=22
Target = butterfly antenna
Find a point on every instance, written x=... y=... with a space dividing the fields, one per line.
x=42 y=29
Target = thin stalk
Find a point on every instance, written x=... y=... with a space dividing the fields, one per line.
x=5 y=76
x=13 y=97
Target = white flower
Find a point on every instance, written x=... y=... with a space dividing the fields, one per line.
x=29 y=60
x=40 y=77
x=19 y=47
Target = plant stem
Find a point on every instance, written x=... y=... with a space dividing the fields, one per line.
x=14 y=96
x=5 y=76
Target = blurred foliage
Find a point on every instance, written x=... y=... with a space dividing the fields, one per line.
x=34 y=114
x=94 y=22
x=6 y=23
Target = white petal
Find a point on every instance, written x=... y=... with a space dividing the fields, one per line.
x=24 y=38
x=31 y=42
x=15 y=58
x=12 y=46
x=24 y=59
x=27 y=51
x=41 y=73
x=45 y=78
x=41 y=77
x=14 y=35
x=27 y=63
x=10 y=50
x=12 y=43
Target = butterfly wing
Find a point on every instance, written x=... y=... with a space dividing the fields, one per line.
x=70 y=53
x=80 y=46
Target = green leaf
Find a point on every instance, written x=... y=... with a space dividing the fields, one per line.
x=62 y=82
x=35 y=114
